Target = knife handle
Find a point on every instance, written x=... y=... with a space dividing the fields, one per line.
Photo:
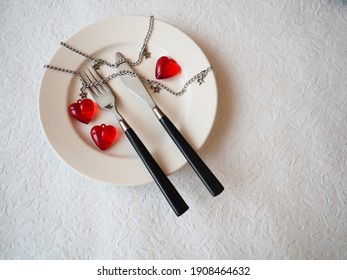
x=205 y=174
x=171 y=194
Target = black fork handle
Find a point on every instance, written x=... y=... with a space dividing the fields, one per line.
x=169 y=191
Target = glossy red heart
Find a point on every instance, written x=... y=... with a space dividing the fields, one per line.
x=103 y=135
x=83 y=110
x=166 y=68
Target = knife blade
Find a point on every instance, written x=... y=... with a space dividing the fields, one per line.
x=135 y=85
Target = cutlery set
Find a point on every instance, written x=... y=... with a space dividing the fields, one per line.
x=106 y=99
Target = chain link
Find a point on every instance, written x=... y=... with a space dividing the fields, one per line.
x=62 y=70
x=97 y=62
x=108 y=78
x=154 y=85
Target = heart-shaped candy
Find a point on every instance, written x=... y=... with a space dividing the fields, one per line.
x=82 y=110
x=103 y=135
x=166 y=68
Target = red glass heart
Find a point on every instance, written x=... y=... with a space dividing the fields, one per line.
x=166 y=68
x=82 y=110
x=103 y=135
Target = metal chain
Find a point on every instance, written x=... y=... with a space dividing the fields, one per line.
x=108 y=78
x=62 y=70
x=99 y=61
x=154 y=85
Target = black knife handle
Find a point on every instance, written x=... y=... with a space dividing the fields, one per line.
x=171 y=194
x=205 y=174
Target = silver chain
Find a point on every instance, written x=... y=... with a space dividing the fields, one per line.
x=62 y=70
x=97 y=62
x=154 y=85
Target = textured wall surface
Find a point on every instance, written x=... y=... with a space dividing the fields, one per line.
x=279 y=143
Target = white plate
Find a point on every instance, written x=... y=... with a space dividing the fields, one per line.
x=193 y=113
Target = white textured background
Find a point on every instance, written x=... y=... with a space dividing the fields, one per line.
x=279 y=143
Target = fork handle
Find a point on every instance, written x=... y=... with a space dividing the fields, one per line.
x=171 y=194
x=201 y=169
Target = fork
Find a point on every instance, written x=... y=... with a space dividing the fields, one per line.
x=106 y=100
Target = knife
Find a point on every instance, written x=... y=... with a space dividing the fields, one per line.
x=135 y=85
